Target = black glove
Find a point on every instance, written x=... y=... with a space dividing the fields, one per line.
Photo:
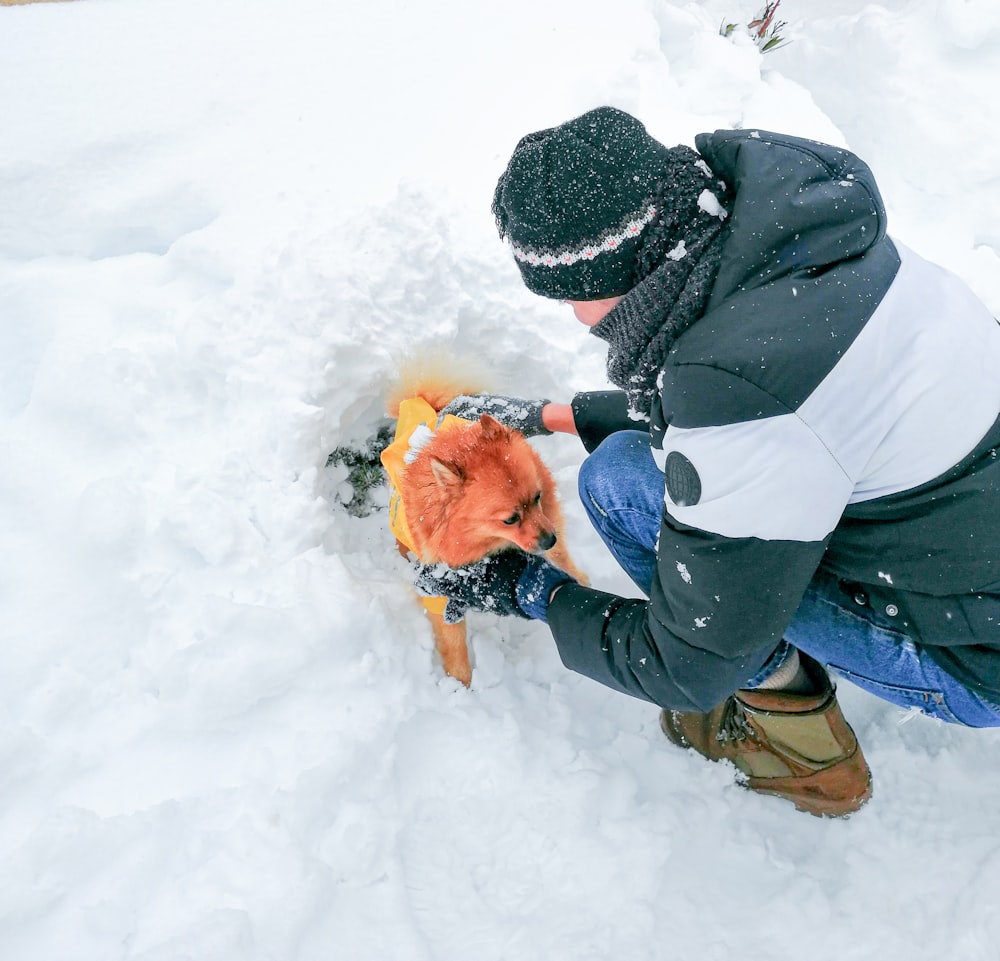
x=522 y=415
x=511 y=582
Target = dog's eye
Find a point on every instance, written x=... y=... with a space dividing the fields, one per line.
x=512 y=520
x=538 y=498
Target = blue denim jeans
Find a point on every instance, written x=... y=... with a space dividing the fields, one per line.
x=622 y=491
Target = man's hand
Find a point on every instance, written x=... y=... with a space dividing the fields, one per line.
x=522 y=415
x=509 y=583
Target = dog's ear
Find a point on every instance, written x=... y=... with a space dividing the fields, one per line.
x=492 y=428
x=447 y=475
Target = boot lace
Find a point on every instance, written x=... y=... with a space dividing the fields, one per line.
x=734 y=725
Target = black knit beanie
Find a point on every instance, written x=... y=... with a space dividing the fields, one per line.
x=575 y=202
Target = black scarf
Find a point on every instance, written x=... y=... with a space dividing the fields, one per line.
x=687 y=238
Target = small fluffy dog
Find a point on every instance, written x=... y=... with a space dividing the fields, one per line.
x=461 y=490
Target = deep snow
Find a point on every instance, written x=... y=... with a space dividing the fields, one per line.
x=223 y=733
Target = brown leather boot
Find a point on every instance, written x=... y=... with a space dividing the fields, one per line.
x=796 y=746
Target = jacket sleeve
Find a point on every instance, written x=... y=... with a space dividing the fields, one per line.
x=599 y=413
x=717 y=610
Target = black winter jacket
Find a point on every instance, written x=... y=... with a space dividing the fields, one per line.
x=839 y=406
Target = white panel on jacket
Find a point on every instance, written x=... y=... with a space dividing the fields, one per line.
x=912 y=396
x=918 y=388
x=768 y=478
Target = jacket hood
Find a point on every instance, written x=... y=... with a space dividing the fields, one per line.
x=800 y=206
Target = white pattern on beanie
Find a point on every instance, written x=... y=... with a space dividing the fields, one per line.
x=629 y=229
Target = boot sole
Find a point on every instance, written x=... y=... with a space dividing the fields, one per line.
x=821 y=807
x=807 y=794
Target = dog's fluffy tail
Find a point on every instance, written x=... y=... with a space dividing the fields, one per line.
x=437 y=377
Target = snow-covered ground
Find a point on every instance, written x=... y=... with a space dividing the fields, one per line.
x=223 y=733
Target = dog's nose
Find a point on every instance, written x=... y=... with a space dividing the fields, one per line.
x=546 y=540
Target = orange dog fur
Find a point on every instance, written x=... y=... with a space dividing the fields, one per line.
x=470 y=490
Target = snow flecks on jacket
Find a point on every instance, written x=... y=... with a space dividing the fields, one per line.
x=708 y=202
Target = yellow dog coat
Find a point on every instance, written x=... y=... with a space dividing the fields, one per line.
x=415 y=426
